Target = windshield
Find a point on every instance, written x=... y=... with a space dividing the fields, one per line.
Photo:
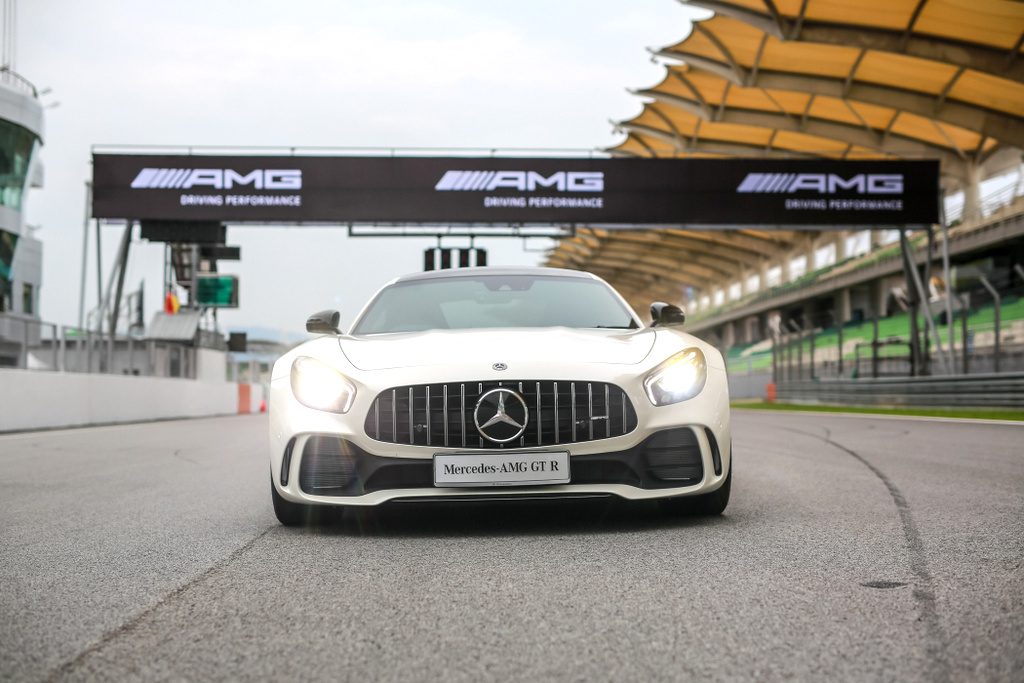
x=468 y=302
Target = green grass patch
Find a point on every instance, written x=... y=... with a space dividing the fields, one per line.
x=1008 y=414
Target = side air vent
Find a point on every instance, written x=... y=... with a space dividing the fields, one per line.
x=716 y=455
x=286 y=461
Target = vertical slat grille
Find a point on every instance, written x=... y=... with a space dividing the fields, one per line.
x=572 y=403
x=444 y=407
x=560 y=412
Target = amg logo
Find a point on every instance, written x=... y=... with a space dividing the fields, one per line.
x=217 y=178
x=524 y=181
x=822 y=183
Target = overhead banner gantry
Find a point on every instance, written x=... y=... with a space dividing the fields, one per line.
x=623 y=193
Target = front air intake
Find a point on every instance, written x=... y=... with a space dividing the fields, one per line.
x=674 y=455
x=328 y=464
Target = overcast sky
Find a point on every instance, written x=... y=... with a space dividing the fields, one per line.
x=454 y=73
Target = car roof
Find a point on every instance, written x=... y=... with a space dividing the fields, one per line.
x=494 y=270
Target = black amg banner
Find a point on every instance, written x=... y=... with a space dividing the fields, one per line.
x=613 y=192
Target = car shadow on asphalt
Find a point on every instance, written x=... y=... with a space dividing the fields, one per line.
x=535 y=518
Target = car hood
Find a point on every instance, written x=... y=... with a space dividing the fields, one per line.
x=489 y=346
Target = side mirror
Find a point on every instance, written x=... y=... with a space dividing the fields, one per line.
x=324 y=322
x=666 y=314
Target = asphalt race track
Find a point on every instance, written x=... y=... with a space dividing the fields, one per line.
x=854 y=548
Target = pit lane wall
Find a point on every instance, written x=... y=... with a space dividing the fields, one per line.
x=41 y=400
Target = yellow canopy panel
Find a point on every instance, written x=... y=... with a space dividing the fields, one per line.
x=712 y=97
x=989 y=23
x=745 y=54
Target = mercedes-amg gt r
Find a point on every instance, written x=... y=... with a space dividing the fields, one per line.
x=488 y=383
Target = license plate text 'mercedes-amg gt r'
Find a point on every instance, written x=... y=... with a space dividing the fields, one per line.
x=491 y=382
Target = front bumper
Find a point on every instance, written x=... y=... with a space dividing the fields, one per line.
x=324 y=458
x=377 y=472
x=329 y=467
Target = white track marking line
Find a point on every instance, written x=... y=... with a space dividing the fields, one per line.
x=883 y=416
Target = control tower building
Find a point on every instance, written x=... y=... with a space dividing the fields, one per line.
x=21 y=255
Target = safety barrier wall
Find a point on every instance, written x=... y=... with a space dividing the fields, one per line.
x=996 y=390
x=37 y=400
x=749 y=385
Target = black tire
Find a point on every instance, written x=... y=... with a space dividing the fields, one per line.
x=289 y=513
x=706 y=505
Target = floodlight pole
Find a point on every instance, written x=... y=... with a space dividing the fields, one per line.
x=908 y=268
x=996 y=301
x=964 y=308
x=798 y=329
x=924 y=291
x=122 y=266
x=85 y=254
x=775 y=359
x=947 y=278
x=812 y=352
x=874 y=346
x=99 y=278
x=194 y=294
x=908 y=260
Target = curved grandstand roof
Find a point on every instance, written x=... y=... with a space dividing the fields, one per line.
x=939 y=79
x=947 y=91
x=697 y=111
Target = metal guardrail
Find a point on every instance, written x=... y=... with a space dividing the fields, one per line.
x=990 y=390
x=990 y=203
x=31 y=344
x=16 y=81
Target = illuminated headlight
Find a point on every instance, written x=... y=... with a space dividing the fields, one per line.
x=679 y=378
x=321 y=387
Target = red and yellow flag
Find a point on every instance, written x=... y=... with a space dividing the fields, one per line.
x=171 y=303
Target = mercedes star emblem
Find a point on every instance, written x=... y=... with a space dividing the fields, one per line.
x=501 y=415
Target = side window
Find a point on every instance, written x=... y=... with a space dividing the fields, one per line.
x=27 y=298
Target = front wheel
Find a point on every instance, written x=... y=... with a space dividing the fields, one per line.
x=292 y=514
x=706 y=505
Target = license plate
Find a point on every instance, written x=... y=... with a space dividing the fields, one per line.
x=501 y=469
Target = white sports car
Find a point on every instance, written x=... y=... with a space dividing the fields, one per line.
x=496 y=383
